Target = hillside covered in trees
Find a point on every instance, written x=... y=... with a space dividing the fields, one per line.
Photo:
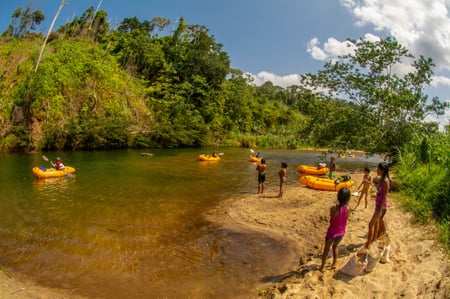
x=98 y=88
x=102 y=88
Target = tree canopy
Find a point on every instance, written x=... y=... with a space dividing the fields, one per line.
x=24 y=21
x=388 y=104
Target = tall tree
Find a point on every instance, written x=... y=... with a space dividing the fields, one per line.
x=392 y=101
x=24 y=21
x=136 y=50
x=192 y=51
x=91 y=24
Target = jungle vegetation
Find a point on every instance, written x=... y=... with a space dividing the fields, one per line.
x=143 y=85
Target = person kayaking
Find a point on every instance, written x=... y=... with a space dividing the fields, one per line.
x=59 y=164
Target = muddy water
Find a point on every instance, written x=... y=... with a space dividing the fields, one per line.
x=132 y=226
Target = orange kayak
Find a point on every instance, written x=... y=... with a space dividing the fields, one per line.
x=44 y=173
x=313 y=170
x=204 y=157
x=324 y=184
x=254 y=159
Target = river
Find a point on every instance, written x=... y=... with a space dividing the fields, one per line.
x=132 y=226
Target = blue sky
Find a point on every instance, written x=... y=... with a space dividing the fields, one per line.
x=277 y=40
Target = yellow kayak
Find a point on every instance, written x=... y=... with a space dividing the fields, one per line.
x=44 y=173
x=325 y=184
x=204 y=157
x=316 y=170
x=254 y=159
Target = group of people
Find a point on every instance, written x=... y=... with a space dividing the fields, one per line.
x=261 y=169
x=340 y=213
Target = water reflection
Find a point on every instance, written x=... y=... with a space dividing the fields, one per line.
x=52 y=188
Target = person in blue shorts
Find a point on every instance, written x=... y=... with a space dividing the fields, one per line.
x=261 y=169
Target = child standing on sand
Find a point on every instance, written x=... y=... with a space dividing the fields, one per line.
x=282 y=174
x=261 y=169
x=332 y=168
x=367 y=180
x=338 y=222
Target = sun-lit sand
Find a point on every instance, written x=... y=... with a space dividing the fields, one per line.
x=418 y=267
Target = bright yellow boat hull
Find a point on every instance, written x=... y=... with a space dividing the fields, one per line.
x=44 y=173
x=208 y=158
x=324 y=184
x=254 y=159
x=313 y=170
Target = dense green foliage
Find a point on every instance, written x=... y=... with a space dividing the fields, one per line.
x=423 y=175
x=101 y=88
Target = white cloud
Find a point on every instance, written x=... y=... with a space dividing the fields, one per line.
x=283 y=81
x=371 y=37
x=422 y=26
x=315 y=51
x=440 y=81
x=335 y=47
x=331 y=49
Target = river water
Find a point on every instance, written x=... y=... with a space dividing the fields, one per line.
x=132 y=226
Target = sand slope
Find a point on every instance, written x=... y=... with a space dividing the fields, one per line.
x=418 y=268
x=13 y=285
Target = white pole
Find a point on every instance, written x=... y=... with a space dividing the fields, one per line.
x=95 y=13
x=48 y=33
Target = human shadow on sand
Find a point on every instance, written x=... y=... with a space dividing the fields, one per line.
x=269 y=196
x=300 y=273
x=344 y=251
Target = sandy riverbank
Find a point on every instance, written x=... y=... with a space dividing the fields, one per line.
x=418 y=268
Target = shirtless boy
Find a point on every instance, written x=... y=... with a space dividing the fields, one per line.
x=261 y=168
